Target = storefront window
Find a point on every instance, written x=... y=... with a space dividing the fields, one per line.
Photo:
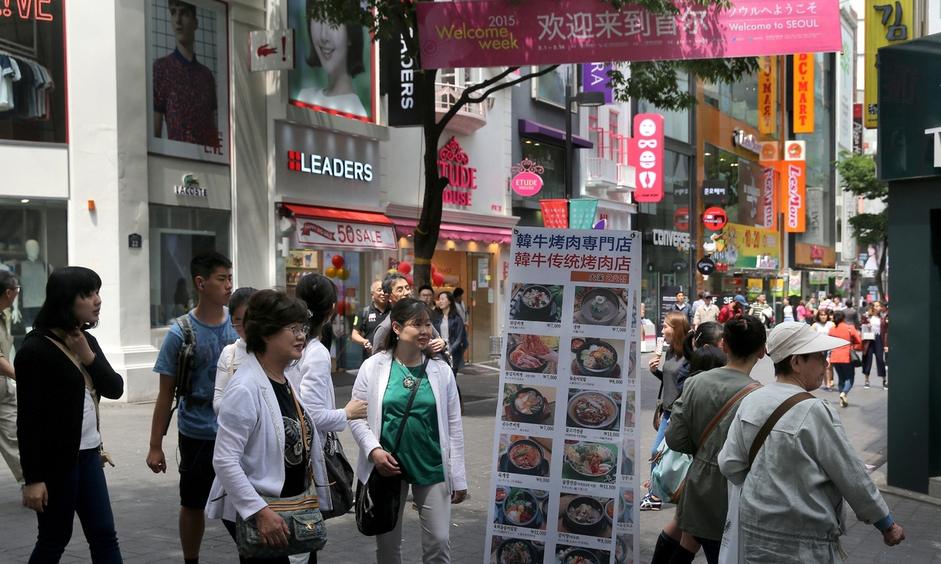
x=177 y=234
x=32 y=72
x=820 y=179
x=552 y=159
x=33 y=242
x=740 y=100
x=675 y=123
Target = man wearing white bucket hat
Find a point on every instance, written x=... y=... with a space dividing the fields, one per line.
x=788 y=455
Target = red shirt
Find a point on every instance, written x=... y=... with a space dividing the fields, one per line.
x=847 y=332
x=185 y=93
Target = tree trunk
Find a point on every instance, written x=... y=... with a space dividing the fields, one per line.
x=429 y=224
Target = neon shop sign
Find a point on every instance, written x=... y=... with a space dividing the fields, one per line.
x=27 y=10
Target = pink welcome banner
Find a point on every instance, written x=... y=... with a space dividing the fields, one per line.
x=490 y=33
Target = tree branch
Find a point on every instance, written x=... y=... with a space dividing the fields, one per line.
x=513 y=82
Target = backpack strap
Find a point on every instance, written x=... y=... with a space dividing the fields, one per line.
x=189 y=336
x=772 y=420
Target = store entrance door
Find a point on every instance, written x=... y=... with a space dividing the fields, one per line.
x=479 y=299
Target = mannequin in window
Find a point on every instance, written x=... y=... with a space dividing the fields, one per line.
x=33 y=275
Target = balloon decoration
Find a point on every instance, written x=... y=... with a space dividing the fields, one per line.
x=331 y=272
x=341 y=308
x=343 y=273
x=338 y=261
x=411 y=281
x=437 y=279
x=405 y=268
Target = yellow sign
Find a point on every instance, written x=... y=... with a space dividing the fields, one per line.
x=753 y=241
x=803 y=93
x=887 y=23
x=767 y=95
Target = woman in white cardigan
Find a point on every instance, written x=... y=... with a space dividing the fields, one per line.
x=232 y=355
x=259 y=449
x=430 y=457
x=312 y=375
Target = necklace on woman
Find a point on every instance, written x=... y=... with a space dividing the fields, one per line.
x=408 y=382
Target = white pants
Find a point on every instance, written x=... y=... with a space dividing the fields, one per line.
x=434 y=512
x=9 y=448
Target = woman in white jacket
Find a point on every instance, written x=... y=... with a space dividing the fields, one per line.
x=232 y=355
x=430 y=457
x=312 y=374
x=259 y=448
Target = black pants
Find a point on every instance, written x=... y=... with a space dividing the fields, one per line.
x=710 y=548
x=876 y=349
x=230 y=526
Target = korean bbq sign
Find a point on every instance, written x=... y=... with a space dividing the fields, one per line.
x=646 y=156
x=344 y=234
x=490 y=33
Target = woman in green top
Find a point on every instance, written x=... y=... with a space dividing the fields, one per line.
x=430 y=455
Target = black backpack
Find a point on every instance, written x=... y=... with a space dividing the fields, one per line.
x=185 y=362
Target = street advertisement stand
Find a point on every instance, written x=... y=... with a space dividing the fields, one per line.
x=566 y=445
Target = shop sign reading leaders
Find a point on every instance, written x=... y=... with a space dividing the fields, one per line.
x=803 y=86
x=646 y=156
x=493 y=33
x=767 y=95
x=795 y=191
x=272 y=50
x=311 y=231
x=888 y=22
x=526 y=180
x=567 y=454
x=400 y=69
x=188 y=79
x=462 y=179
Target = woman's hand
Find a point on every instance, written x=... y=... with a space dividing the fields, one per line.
x=458 y=496
x=654 y=364
x=893 y=535
x=384 y=462
x=356 y=409
x=437 y=345
x=78 y=344
x=272 y=528
x=35 y=496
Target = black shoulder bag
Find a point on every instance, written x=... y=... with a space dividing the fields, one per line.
x=340 y=476
x=379 y=499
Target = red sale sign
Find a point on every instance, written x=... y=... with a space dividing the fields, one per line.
x=646 y=156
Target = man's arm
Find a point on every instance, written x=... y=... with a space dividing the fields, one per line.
x=6 y=368
x=159 y=424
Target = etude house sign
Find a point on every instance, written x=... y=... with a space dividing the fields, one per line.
x=462 y=178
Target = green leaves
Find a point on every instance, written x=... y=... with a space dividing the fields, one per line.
x=858 y=175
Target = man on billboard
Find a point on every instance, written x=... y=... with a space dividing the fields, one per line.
x=184 y=90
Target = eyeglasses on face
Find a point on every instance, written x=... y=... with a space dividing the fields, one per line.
x=298 y=330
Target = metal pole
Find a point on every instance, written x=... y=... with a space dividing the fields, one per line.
x=569 y=156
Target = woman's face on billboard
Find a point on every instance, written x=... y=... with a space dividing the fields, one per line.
x=331 y=44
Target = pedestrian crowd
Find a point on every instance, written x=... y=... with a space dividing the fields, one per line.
x=249 y=377
x=767 y=468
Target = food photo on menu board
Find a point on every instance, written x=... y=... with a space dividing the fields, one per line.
x=529 y=456
x=565 y=554
x=532 y=353
x=627 y=459
x=625 y=509
x=596 y=358
x=536 y=302
x=528 y=404
x=590 y=462
x=590 y=409
x=624 y=549
x=585 y=515
x=629 y=405
x=508 y=550
x=521 y=507
x=600 y=306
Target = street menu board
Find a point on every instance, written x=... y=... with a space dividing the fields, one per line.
x=566 y=446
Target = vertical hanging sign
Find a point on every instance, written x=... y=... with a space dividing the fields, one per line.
x=795 y=190
x=767 y=95
x=567 y=454
x=646 y=156
x=803 y=110
x=886 y=23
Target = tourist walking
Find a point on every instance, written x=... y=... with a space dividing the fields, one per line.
x=822 y=324
x=451 y=328
x=876 y=341
x=61 y=375
x=232 y=355
x=365 y=324
x=842 y=358
x=9 y=289
x=794 y=472
x=430 y=455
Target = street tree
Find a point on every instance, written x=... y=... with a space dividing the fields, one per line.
x=655 y=81
x=858 y=175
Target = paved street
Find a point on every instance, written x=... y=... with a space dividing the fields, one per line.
x=145 y=505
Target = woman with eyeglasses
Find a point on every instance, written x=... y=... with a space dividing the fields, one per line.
x=430 y=456
x=232 y=355
x=267 y=445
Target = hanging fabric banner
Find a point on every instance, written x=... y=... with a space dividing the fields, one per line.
x=794 y=177
x=767 y=95
x=803 y=110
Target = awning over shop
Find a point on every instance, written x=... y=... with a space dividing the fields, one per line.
x=405 y=227
x=332 y=227
x=542 y=132
x=338 y=214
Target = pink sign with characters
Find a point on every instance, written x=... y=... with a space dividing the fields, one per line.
x=491 y=33
x=526 y=181
x=646 y=156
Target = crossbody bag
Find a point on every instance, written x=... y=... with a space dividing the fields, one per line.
x=301 y=513
x=379 y=499
x=90 y=386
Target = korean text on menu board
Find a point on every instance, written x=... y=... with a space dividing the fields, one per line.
x=566 y=443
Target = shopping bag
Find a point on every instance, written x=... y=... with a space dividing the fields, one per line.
x=730 y=551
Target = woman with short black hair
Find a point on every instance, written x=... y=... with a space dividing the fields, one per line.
x=232 y=355
x=61 y=373
x=450 y=326
x=266 y=445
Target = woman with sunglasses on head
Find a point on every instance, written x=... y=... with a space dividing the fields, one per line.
x=61 y=373
x=430 y=455
x=267 y=445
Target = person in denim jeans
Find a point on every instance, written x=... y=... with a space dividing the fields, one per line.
x=61 y=373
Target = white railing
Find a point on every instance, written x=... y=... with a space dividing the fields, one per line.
x=601 y=170
x=626 y=177
x=447 y=94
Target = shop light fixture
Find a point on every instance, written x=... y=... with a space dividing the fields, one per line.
x=707 y=154
x=24 y=201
